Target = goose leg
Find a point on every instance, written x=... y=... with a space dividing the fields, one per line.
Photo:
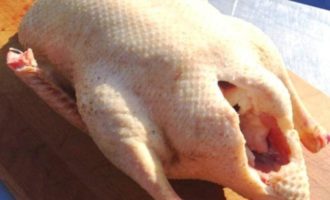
x=313 y=135
x=123 y=132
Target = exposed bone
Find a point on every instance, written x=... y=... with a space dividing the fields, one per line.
x=255 y=132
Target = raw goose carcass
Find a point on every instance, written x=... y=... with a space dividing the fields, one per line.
x=173 y=89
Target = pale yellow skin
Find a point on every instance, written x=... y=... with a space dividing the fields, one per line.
x=146 y=78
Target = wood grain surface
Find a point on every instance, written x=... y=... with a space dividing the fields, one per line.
x=43 y=157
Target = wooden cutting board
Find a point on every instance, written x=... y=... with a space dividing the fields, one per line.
x=44 y=157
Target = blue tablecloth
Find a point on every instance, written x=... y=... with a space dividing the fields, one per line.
x=318 y=3
x=4 y=194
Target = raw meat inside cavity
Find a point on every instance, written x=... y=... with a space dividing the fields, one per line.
x=266 y=146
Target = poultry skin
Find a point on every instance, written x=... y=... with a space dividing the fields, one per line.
x=172 y=89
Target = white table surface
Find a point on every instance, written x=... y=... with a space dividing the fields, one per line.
x=301 y=33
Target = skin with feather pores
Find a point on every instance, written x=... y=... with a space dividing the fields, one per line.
x=172 y=89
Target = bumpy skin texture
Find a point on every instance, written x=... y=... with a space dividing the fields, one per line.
x=146 y=76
